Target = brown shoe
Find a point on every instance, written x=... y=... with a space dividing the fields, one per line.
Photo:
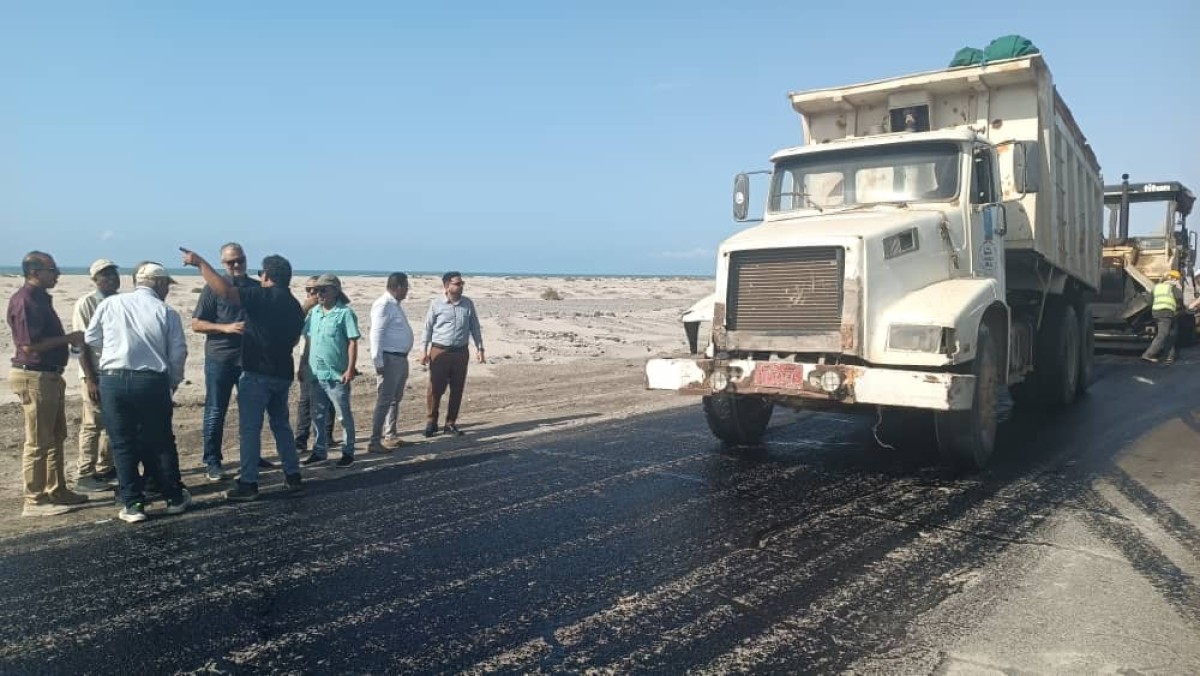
x=396 y=442
x=379 y=448
x=68 y=498
x=44 y=509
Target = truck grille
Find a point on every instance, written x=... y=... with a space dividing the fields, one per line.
x=785 y=290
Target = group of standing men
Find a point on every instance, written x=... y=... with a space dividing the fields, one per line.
x=132 y=356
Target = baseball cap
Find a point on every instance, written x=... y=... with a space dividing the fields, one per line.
x=1174 y=274
x=152 y=271
x=100 y=264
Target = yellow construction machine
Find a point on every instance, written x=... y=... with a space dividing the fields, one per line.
x=1132 y=265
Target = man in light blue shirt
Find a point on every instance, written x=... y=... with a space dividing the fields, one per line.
x=449 y=324
x=331 y=347
x=142 y=357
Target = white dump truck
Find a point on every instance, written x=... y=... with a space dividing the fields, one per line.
x=936 y=238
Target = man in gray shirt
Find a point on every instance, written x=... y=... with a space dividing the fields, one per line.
x=449 y=324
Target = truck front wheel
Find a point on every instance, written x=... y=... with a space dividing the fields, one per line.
x=966 y=439
x=736 y=419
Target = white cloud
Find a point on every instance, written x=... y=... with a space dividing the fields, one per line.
x=107 y=235
x=690 y=254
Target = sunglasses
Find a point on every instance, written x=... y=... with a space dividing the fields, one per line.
x=234 y=261
x=323 y=289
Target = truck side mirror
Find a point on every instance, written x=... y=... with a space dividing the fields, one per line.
x=1027 y=166
x=741 y=197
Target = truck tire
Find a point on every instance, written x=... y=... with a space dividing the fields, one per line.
x=738 y=420
x=1055 y=380
x=1087 y=349
x=966 y=439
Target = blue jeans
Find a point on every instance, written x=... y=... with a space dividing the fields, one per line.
x=219 y=379
x=326 y=394
x=136 y=406
x=259 y=394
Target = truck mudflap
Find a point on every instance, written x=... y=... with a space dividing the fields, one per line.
x=832 y=383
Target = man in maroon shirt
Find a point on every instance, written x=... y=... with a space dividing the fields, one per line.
x=42 y=350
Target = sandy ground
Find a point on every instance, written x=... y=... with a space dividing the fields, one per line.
x=550 y=363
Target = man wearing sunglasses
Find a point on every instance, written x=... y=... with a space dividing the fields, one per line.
x=222 y=323
x=331 y=347
x=42 y=352
x=304 y=416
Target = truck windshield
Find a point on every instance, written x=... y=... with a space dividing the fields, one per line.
x=908 y=172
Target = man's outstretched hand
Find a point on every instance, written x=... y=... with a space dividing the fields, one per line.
x=190 y=258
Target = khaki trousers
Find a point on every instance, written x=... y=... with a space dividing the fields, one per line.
x=43 y=399
x=95 y=454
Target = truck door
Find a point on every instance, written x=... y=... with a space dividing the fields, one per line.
x=987 y=222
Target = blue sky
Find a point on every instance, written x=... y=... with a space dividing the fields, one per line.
x=495 y=137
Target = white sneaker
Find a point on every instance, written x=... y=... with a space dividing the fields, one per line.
x=132 y=514
x=181 y=506
x=45 y=509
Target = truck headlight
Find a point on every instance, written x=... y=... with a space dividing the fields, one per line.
x=914 y=338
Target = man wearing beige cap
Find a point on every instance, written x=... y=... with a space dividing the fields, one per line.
x=96 y=471
x=142 y=357
x=331 y=346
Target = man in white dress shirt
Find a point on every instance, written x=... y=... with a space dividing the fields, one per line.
x=391 y=341
x=142 y=356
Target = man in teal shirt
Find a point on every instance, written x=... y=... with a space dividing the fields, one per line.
x=331 y=348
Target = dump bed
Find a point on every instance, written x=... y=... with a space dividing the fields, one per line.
x=1014 y=100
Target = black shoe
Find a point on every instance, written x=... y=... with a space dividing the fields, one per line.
x=292 y=484
x=263 y=463
x=431 y=430
x=453 y=430
x=110 y=476
x=302 y=444
x=242 y=493
x=345 y=461
x=313 y=460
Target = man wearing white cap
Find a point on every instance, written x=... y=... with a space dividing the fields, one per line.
x=142 y=356
x=96 y=469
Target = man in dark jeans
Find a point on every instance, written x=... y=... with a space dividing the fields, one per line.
x=223 y=324
x=272 y=330
x=142 y=357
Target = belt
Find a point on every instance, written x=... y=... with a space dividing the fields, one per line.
x=395 y=354
x=39 y=368
x=450 y=348
x=131 y=372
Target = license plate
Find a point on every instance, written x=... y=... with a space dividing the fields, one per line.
x=779 y=375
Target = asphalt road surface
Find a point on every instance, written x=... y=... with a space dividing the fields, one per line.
x=642 y=546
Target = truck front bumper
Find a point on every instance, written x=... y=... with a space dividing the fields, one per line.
x=820 y=382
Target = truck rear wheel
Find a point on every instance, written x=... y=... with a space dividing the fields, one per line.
x=1057 y=359
x=1087 y=349
x=966 y=439
x=736 y=419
